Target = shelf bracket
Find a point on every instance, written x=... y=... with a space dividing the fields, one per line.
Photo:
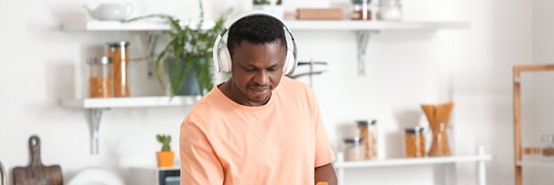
x=94 y=117
x=363 y=41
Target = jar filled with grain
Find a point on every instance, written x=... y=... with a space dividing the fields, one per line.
x=548 y=145
x=100 y=80
x=354 y=149
x=368 y=132
x=414 y=142
x=119 y=53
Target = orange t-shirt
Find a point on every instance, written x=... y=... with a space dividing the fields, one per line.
x=279 y=143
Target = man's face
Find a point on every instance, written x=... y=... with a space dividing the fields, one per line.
x=256 y=70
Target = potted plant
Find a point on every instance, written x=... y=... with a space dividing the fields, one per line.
x=189 y=51
x=165 y=156
x=271 y=6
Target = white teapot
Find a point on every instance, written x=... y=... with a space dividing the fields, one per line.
x=110 y=11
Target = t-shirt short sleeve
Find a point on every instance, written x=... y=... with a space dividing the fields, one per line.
x=199 y=163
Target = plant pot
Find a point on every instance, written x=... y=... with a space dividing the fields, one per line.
x=190 y=84
x=165 y=158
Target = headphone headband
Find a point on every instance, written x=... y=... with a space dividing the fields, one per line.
x=224 y=64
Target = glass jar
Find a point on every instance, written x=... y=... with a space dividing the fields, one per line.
x=359 y=7
x=548 y=145
x=354 y=149
x=368 y=132
x=414 y=142
x=389 y=10
x=100 y=80
x=119 y=53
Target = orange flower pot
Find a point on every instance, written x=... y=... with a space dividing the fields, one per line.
x=165 y=158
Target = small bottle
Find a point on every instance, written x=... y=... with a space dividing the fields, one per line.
x=414 y=142
x=100 y=80
x=368 y=132
x=353 y=149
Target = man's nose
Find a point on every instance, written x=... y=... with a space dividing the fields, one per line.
x=262 y=78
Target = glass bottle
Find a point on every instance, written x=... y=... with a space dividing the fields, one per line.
x=368 y=132
x=414 y=142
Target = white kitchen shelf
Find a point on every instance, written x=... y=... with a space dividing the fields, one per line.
x=412 y=161
x=129 y=102
x=536 y=163
x=292 y=24
x=374 y=25
x=119 y=26
x=480 y=158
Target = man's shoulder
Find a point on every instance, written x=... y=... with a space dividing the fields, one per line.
x=294 y=85
x=205 y=109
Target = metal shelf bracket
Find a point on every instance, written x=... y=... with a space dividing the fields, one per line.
x=94 y=116
x=363 y=41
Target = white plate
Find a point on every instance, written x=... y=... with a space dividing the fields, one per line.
x=96 y=176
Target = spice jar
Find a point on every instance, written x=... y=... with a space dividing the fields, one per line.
x=414 y=142
x=367 y=131
x=100 y=80
x=361 y=6
x=119 y=53
x=548 y=145
x=354 y=149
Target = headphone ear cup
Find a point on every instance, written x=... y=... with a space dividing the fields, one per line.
x=289 y=64
x=225 y=62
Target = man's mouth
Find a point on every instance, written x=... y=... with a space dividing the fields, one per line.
x=258 y=91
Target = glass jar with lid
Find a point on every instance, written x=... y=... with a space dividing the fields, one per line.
x=414 y=142
x=100 y=79
x=548 y=145
x=368 y=132
x=362 y=10
x=119 y=53
x=354 y=149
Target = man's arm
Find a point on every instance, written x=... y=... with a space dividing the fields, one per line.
x=199 y=164
x=325 y=173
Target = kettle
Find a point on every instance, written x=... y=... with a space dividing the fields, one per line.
x=110 y=11
x=3 y=179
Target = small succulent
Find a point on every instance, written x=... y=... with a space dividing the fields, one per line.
x=164 y=139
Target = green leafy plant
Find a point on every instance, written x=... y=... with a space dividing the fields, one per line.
x=190 y=48
x=164 y=139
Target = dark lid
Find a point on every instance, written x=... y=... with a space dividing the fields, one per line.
x=366 y=122
x=118 y=44
x=415 y=130
x=353 y=140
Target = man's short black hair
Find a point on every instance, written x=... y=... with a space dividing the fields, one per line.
x=257 y=29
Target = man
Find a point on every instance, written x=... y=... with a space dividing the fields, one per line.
x=257 y=128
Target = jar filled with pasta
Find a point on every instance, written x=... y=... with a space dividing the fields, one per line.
x=414 y=142
x=100 y=79
x=368 y=132
x=119 y=53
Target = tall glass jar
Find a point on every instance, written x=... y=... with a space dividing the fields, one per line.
x=368 y=132
x=119 y=53
x=414 y=142
x=100 y=79
x=354 y=149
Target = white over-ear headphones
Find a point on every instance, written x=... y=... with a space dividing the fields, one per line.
x=222 y=56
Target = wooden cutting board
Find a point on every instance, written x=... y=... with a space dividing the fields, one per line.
x=36 y=173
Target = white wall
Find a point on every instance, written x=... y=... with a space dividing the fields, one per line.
x=471 y=67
